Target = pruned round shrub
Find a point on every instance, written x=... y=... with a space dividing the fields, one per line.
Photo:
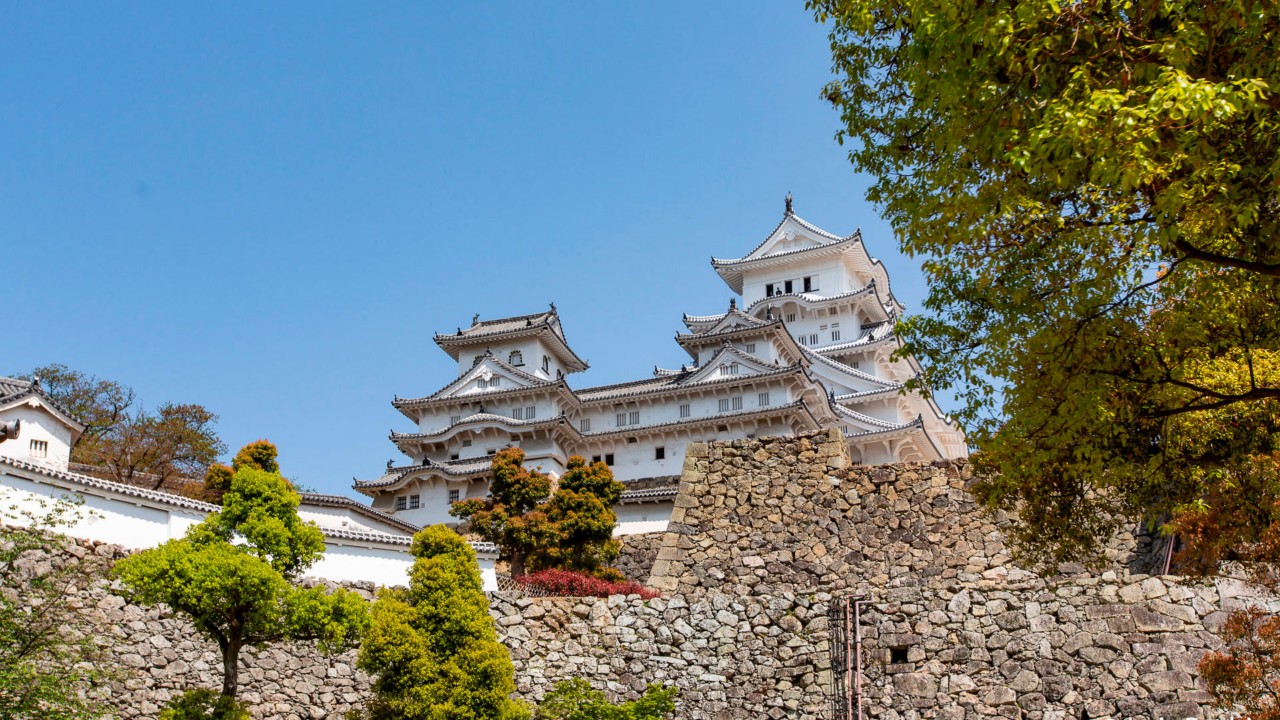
x=572 y=584
x=202 y=704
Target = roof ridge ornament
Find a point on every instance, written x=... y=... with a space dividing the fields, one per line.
x=733 y=304
x=475 y=320
x=790 y=211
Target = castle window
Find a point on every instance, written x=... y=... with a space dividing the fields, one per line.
x=608 y=459
x=854 y=364
x=813 y=339
x=546 y=364
x=584 y=425
x=750 y=347
x=415 y=502
x=466 y=443
x=454 y=456
x=768 y=289
x=39 y=448
x=659 y=453
x=595 y=459
x=787 y=287
x=764 y=399
x=684 y=410
x=791 y=317
x=835 y=335
x=516 y=358
x=453 y=496
x=530 y=413
x=803 y=339
x=727 y=404
x=808 y=284
x=517 y=413
x=402 y=502
x=453 y=419
x=629 y=418
x=729 y=369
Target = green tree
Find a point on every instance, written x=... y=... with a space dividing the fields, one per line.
x=130 y=444
x=1092 y=188
x=233 y=575
x=50 y=663
x=571 y=529
x=576 y=700
x=580 y=521
x=259 y=454
x=432 y=648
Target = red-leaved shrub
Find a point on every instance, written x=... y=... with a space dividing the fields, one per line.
x=572 y=584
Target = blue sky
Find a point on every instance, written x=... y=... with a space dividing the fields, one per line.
x=270 y=208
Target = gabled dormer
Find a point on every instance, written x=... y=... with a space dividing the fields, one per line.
x=730 y=362
x=488 y=374
x=534 y=343
x=36 y=429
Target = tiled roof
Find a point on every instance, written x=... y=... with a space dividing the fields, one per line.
x=533 y=380
x=12 y=386
x=12 y=389
x=730 y=262
x=475 y=418
x=668 y=383
x=648 y=494
x=481 y=330
x=812 y=298
x=804 y=224
x=718 y=417
x=342 y=501
x=845 y=368
x=458 y=468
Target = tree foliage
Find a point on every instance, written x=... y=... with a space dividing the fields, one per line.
x=432 y=648
x=1092 y=187
x=233 y=575
x=129 y=443
x=1247 y=676
x=50 y=663
x=576 y=700
x=571 y=529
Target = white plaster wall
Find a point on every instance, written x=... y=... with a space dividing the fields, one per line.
x=830 y=278
x=108 y=518
x=100 y=517
x=636 y=518
x=344 y=519
x=37 y=424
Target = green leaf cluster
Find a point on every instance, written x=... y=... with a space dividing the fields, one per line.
x=233 y=575
x=432 y=648
x=50 y=665
x=576 y=700
x=1092 y=188
x=571 y=529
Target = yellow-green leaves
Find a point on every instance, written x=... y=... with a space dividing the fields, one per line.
x=433 y=649
x=1093 y=190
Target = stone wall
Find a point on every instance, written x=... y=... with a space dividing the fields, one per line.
x=638 y=554
x=766 y=537
x=156 y=655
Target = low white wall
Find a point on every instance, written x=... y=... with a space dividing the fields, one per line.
x=140 y=523
x=637 y=518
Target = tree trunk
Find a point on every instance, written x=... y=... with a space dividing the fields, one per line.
x=231 y=667
x=517 y=564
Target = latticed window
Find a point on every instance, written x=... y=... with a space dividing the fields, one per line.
x=764 y=399
x=415 y=502
x=684 y=410
x=453 y=496
x=402 y=502
x=584 y=424
x=39 y=448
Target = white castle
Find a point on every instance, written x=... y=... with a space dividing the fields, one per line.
x=809 y=347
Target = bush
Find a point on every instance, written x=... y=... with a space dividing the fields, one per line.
x=572 y=584
x=202 y=704
x=576 y=700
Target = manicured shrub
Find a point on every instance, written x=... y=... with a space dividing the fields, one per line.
x=572 y=584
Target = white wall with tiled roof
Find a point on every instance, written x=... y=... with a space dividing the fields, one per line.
x=43 y=437
x=137 y=518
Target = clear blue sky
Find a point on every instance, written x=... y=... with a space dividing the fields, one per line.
x=269 y=208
